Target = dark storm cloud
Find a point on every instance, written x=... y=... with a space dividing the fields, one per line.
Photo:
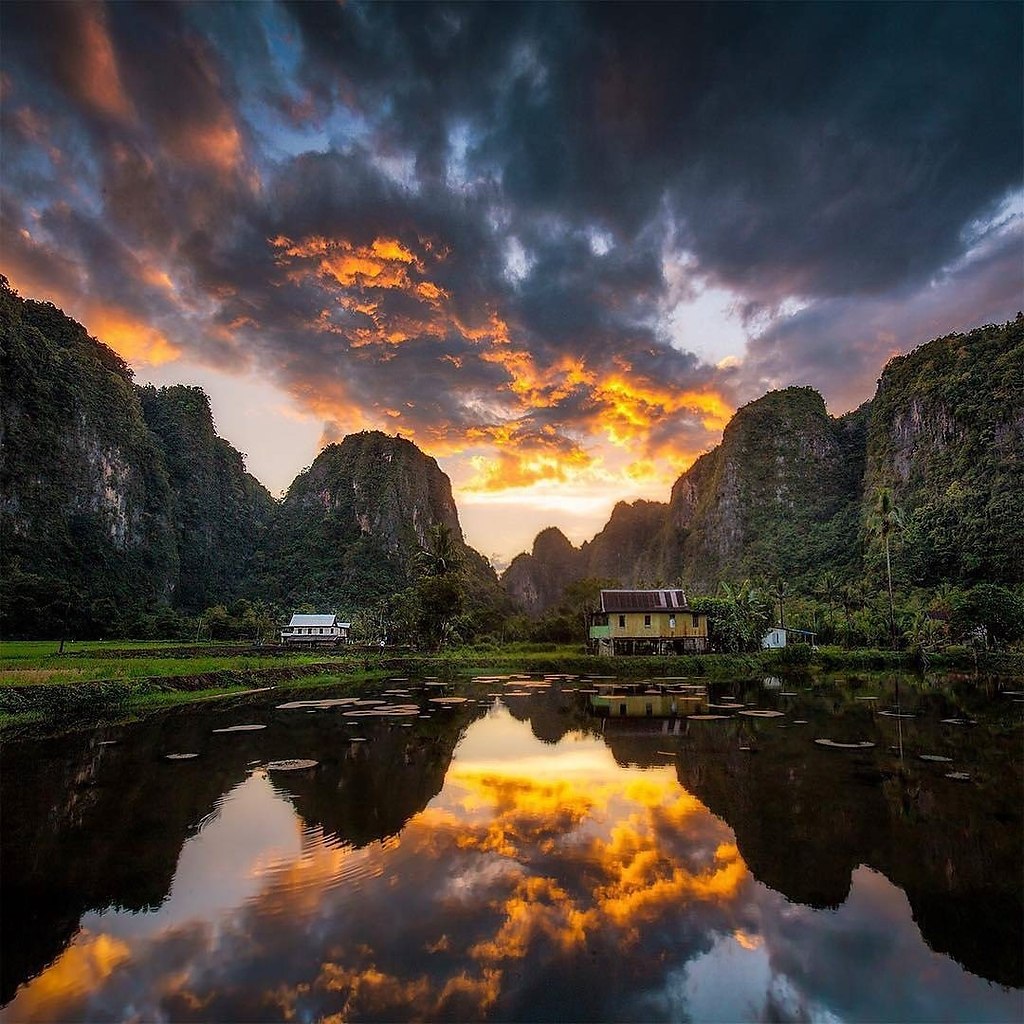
x=222 y=173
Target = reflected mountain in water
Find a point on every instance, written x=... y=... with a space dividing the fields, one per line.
x=805 y=817
x=528 y=862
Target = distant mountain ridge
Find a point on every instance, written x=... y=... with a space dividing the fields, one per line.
x=787 y=492
x=118 y=501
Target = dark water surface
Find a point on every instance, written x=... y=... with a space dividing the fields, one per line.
x=516 y=857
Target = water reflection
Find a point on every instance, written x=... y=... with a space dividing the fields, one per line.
x=489 y=863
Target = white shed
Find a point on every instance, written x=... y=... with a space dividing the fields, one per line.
x=774 y=639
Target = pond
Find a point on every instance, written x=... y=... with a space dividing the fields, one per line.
x=525 y=853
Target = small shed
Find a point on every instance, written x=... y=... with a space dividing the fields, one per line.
x=315 y=629
x=780 y=636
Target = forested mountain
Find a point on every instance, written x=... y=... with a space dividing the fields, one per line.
x=220 y=510
x=120 y=504
x=86 y=508
x=788 y=492
x=351 y=527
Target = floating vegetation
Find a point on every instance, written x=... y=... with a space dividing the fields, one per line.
x=936 y=757
x=388 y=711
x=292 y=764
x=331 y=702
x=860 y=745
x=761 y=713
x=240 y=728
x=180 y=757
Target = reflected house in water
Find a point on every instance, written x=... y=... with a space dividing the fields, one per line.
x=315 y=629
x=644 y=700
x=647 y=622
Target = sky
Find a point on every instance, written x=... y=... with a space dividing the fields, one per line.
x=555 y=245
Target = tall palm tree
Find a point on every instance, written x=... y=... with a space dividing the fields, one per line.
x=885 y=520
x=828 y=588
x=780 y=591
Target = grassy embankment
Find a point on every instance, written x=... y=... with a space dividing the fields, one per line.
x=117 y=679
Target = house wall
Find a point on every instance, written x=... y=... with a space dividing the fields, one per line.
x=660 y=626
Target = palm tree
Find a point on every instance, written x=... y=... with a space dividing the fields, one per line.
x=828 y=588
x=852 y=598
x=780 y=591
x=884 y=521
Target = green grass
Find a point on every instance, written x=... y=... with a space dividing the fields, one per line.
x=118 y=679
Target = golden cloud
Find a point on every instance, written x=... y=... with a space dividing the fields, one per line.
x=85 y=965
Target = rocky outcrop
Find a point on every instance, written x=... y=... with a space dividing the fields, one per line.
x=351 y=526
x=86 y=522
x=946 y=434
x=220 y=511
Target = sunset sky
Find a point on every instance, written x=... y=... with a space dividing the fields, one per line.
x=554 y=245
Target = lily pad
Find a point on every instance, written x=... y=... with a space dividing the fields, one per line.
x=860 y=745
x=240 y=728
x=936 y=757
x=761 y=713
x=293 y=764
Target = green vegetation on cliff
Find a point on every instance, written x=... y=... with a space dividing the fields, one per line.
x=86 y=524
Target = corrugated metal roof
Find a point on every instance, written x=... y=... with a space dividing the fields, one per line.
x=313 y=620
x=643 y=600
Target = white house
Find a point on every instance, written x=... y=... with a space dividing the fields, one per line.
x=315 y=629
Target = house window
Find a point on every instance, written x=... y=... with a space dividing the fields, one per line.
x=647 y=622
x=696 y=621
x=622 y=622
x=622 y=709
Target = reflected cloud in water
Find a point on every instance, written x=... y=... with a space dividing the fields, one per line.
x=542 y=882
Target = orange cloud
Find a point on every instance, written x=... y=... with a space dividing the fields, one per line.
x=93 y=66
x=132 y=339
x=79 y=970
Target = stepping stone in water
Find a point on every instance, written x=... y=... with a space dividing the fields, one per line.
x=294 y=764
x=709 y=718
x=759 y=713
x=240 y=728
x=180 y=757
x=958 y=776
x=936 y=757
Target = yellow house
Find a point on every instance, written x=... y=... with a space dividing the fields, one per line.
x=647 y=622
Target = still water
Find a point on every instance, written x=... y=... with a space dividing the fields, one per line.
x=516 y=857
